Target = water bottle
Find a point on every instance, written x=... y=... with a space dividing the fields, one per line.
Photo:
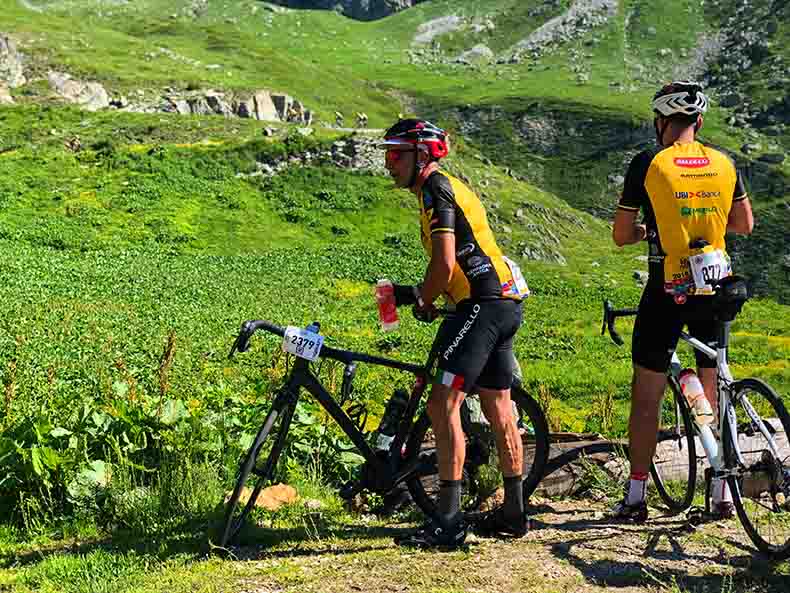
x=391 y=419
x=388 y=311
x=692 y=390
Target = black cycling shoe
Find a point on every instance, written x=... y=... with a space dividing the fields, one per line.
x=635 y=513
x=432 y=535
x=494 y=524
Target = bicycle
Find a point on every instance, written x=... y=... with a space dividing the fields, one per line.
x=751 y=452
x=410 y=458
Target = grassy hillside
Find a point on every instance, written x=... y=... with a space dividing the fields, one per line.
x=128 y=264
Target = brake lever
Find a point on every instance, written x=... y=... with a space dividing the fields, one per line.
x=242 y=341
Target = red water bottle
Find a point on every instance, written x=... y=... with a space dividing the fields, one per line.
x=388 y=312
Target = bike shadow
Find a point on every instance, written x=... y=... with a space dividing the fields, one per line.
x=669 y=556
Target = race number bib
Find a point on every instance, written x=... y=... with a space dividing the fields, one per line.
x=519 y=286
x=302 y=343
x=707 y=268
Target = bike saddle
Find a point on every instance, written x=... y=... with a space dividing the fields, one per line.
x=730 y=295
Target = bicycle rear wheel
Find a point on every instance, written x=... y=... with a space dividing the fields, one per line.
x=259 y=467
x=760 y=476
x=481 y=458
x=674 y=465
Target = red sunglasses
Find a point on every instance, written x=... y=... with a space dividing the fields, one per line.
x=392 y=156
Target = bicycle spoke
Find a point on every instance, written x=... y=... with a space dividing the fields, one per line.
x=761 y=480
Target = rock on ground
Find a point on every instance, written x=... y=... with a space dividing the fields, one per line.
x=10 y=63
x=89 y=95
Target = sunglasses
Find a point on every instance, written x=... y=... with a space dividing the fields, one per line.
x=393 y=156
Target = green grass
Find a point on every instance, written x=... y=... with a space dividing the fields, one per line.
x=128 y=266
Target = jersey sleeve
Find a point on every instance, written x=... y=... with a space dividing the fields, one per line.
x=634 y=192
x=439 y=203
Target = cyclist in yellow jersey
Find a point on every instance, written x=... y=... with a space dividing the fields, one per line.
x=476 y=344
x=691 y=195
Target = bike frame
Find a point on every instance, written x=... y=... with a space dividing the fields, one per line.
x=724 y=390
x=387 y=472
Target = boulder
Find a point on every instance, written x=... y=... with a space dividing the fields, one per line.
x=5 y=96
x=480 y=53
x=730 y=100
x=244 y=107
x=265 y=109
x=273 y=497
x=88 y=95
x=282 y=103
x=218 y=105
x=10 y=63
x=199 y=106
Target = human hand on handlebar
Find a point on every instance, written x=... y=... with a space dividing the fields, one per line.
x=406 y=294
x=425 y=312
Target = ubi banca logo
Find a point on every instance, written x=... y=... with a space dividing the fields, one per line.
x=687 y=195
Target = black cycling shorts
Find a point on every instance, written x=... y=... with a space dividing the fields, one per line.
x=659 y=323
x=475 y=345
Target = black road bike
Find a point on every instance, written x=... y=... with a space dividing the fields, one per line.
x=411 y=457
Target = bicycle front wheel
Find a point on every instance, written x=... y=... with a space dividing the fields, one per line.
x=674 y=466
x=481 y=458
x=259 y=466
x=758 y=457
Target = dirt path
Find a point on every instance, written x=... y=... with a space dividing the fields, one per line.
x=573 y=547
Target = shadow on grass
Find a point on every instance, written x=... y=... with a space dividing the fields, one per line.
x=197 y=541
x=678 y=568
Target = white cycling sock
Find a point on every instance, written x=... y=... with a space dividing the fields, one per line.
x=637 y=489
x=720 y=491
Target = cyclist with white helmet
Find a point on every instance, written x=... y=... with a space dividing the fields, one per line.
x=476 y=344
x=691 y=195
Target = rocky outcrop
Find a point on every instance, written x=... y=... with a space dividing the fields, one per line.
x=749 y=31
x=364 y=10
x=261 y=105
x=10 y=63
x=355 y=153
x=5 y=96
x=436 y=27
x=88 y=95
x=479 y=54
x=582 y=16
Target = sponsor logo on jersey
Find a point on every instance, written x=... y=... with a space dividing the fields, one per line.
x=699 y=175
x=692 y=162
x=465 y=250
x=687 y=195
x=685 y=212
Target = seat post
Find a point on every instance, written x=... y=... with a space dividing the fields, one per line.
x=723 y=334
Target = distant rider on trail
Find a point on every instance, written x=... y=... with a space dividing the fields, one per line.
x=476 y=344
x=691 y=194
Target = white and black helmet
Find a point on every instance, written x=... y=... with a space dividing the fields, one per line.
x=680 y=98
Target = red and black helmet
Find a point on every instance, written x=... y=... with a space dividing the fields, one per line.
x=419 y=134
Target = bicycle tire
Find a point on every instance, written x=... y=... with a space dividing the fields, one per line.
x=760 y=485
x=236 y=514
x=677 y=494
x=419 y=486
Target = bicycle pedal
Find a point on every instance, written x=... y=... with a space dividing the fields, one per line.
x=350 y=489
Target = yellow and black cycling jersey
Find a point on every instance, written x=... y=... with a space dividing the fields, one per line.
x=685 y=192
x=481 y=272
